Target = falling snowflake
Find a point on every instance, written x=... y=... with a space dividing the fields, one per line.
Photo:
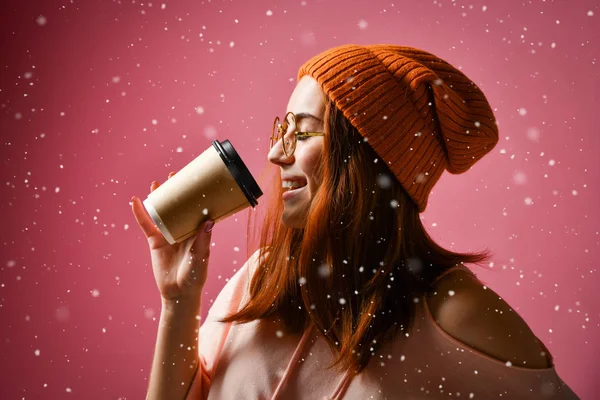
x=210 y=132
x=362 y=24
x=533 y=134
x=519 y=178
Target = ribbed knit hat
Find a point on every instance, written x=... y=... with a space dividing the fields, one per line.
x=419 y=113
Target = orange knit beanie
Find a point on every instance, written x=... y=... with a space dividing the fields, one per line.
x=419 y=113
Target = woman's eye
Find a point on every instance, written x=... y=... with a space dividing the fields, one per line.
x=302 y=138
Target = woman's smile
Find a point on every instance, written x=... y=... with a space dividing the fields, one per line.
x=291 y=192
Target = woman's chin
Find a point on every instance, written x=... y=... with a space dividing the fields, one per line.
x=292 y=220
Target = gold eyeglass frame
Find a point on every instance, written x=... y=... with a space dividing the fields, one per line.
x=278 y=130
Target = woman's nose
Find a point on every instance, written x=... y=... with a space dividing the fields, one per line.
x=277 y=156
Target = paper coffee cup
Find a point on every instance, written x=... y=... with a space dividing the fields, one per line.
x=215 y=185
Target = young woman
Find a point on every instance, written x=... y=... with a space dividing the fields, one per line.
x=347 y=295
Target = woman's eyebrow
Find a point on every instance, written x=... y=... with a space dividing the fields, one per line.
x=300 y=116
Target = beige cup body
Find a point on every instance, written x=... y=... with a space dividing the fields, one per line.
x=203 y=189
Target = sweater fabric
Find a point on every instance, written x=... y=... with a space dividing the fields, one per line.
x=255 y=361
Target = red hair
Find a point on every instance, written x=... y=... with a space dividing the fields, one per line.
x=363 y=254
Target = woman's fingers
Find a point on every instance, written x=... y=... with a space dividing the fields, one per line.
x=142 y=218
x=145 y=222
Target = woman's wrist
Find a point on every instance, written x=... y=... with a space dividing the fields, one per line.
x=185 y=305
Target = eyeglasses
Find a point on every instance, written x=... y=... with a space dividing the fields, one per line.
x=286 y=130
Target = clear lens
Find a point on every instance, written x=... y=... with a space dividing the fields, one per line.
x=289 y=138
x=285 y=128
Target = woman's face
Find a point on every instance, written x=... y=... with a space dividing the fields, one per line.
x=307 y=102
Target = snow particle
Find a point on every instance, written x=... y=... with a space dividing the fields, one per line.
x=205 y=211
x=533 y=134
x=200 y=110
x=269 y=13
x=210 y=132
x=590 y=13
x=324 y=271
x=522 y=112
x=519 y=178
x=41 y=20
x=451 y=292
x=362 y=24
x=384 y=181
x=528 y=201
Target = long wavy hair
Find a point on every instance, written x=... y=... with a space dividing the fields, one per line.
x=361 y=262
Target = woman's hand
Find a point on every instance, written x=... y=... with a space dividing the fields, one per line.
x=180 y=269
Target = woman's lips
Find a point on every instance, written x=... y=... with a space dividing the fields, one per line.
x=290 y=193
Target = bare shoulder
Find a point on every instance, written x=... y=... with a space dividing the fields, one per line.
x=475 y=315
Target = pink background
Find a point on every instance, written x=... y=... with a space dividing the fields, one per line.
x=99 y=98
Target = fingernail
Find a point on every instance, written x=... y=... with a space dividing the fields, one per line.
x=132 y=197
x=209 y=226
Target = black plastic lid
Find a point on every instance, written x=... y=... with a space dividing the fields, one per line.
x=239 y=171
